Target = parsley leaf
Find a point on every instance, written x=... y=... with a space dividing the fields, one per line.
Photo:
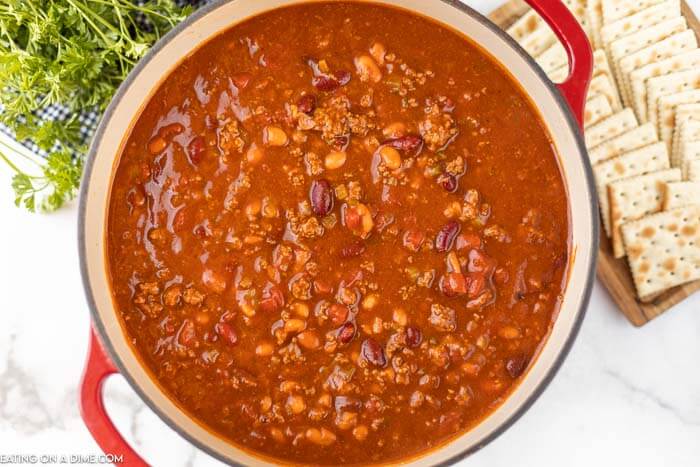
x=74 y=53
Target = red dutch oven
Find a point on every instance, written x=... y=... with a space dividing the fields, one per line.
x=561 y=108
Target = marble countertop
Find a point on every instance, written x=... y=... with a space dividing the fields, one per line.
x=624 y=396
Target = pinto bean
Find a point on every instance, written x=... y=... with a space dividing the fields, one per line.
x=322 y=437
x=368 y=69
x=335 y=160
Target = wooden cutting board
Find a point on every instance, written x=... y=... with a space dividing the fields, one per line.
x=614 y=273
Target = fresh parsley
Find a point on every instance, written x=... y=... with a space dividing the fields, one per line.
x=73 y=53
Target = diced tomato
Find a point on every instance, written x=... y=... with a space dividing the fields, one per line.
x=353 y=220
x=453 y=284
x=468 y=241
x=227 y=332
x=273 y=300
x=186 y=335
x=477 y=283
x=480 y=262
x=413 y=239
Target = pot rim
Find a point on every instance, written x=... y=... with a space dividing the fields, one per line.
x=594 y=232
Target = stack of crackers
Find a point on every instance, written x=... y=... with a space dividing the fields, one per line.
x=642 y=130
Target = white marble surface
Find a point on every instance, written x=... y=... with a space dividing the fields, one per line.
x=625 y=396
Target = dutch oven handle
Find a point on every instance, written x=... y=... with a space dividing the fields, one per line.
x=578 y=50
x=97 y=368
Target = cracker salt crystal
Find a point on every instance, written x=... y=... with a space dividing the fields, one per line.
x=672 y=45
x=612 y=10
x=663 y=250
x=679 y=194
x=638 y=78
x=597 y=108
x=636 y=197
x=628 y=141
x=669 y=84
x=611 y=127
x=651 y=158
x=666 y=111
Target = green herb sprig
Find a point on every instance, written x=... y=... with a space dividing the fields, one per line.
x=74 y=53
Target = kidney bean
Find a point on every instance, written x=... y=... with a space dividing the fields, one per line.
x=227 y=332
x=327 y=82
x=343 y=403
x=195 y=150
x=516 y=365
x=307 y=104
x=373 y=352
x=353 y=249
x=341 y=143
x=338 y=314
x=410 y=144
x=449 y=182
x=446 y=236
x=200 y=231
x=321 y=197
x=453 y=284
x=414 y=336
x=346 y=333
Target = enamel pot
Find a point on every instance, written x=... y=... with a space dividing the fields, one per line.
x=561 y=108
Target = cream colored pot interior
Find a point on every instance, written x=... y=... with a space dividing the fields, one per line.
x=138 y=90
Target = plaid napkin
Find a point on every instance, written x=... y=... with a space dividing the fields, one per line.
x=89 y=118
